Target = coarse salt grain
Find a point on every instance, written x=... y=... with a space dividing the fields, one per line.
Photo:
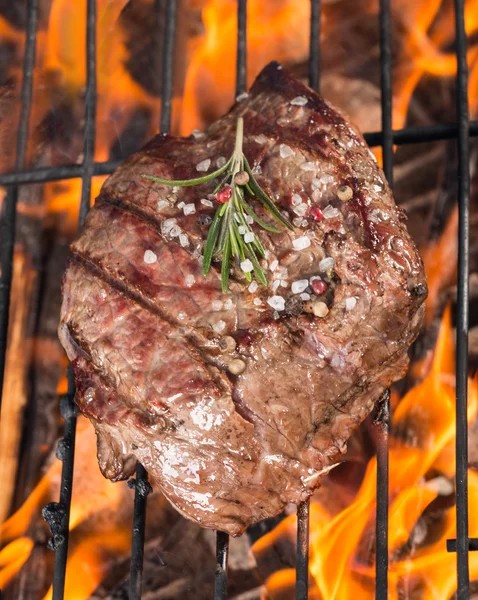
x=189 y=280
x=377 y=188
x=257 y=170
x=337 y=360
x=247 y=266
x=219 y=326
x=249 y=220
x=285 y=151
x=167 y=225
x=316 y=183
x=276 y=302
x=205 y=202
x=162 y=204
x=297 y=222
x=253 y=287
x=181 y=205
x=242 y=229
x=150 y=257
x=326 y=179
x=220 y=162
x=204 y=165
x=260 y=139
x=301 y=243
x=308 y=166
x=330 y=212
x=257 y=301
x=300 y=210
x=299 y=286
x=284 y=283
x=273 y=266
x=305 y=297
x=275 y=285
x=183 y=240
x=189 y=209
x=249 y=237
x=175 y=231
x=350 y=303
x=198 y=134
x=299 y=101
x=228 y=304
x=296 y=199
x=326 y=263
x=216 y=305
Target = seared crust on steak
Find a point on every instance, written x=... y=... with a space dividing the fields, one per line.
x=146 y=339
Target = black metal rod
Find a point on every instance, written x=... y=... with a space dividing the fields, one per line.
x=168 y=65
x=382 y=504
x=462 y=543
x=314 y=50
x=408 y=135
x=302 y=556
x=222 y=557
x=472 y=545
x=382 y=422
x=386 y=88
x=47 y=174
x=68 y=412
x=8 y=217
x=241 y=58
x=90 y=111
x=142 y=489
x=141 y=485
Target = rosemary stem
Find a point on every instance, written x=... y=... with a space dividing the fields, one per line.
x=239 y=137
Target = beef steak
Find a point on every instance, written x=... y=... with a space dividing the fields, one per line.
x=238 y=403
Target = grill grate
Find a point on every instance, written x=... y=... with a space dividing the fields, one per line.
x=58 y=513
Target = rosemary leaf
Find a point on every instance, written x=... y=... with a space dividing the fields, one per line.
x=264 y=198
x=258 y=270
x=190 y=182
x=234 y=242
x=211 y=243
x=249 y=210
x=226 y=255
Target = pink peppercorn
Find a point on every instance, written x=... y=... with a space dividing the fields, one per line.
x=319 y=286
x=224 y=194
x=317 y=214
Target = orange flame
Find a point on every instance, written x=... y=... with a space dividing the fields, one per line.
x=421 y=468
x=95 y=499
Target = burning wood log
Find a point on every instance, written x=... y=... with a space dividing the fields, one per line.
x=15 y=383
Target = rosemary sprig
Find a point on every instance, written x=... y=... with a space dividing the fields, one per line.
x=230 y=233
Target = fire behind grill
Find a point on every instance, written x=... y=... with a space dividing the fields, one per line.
x=57 y=514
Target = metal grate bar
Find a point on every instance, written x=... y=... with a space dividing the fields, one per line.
x=241 y=58
x=462 y=542
x=140 y=484
x=168 y=65
x=407 y=135
x=69 y=411
x=302 y=556
x=383 y=419
x=58 y=514
x=141 y=491
x=222 y=556
x=314 y=48
x=8 y=217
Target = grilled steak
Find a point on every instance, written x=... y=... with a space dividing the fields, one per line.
x=238 y=403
